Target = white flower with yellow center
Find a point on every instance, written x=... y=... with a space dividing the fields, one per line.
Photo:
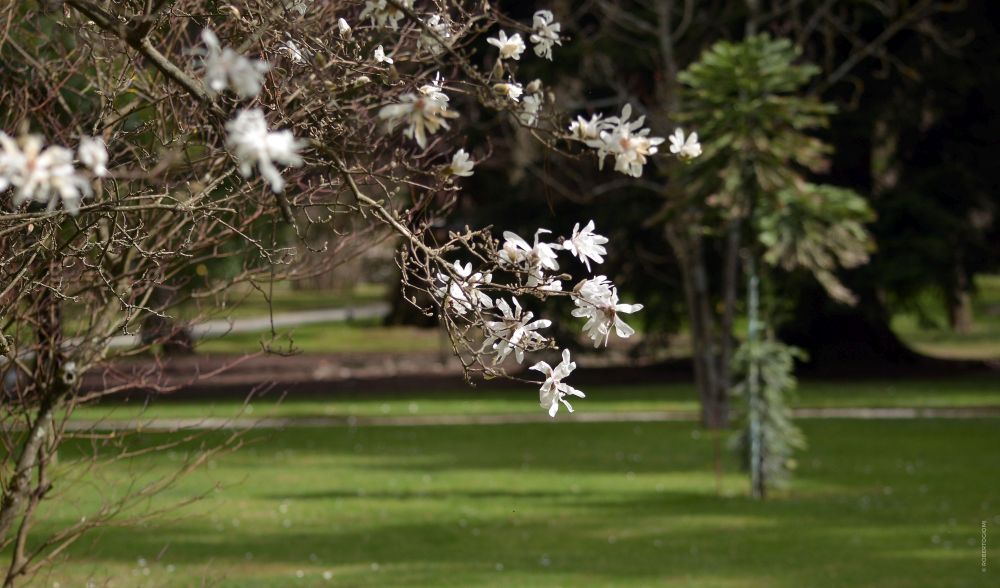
x=510 y=47
x=424 y=112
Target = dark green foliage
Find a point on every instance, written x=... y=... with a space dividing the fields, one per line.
x=747 y=102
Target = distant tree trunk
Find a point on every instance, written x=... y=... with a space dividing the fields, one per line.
x=959 y=302
x=174 y=338
x=710 y=345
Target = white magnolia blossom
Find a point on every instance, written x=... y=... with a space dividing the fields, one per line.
x=586 y=244
x=688 y=148
x=544 y=34
x=226 y=68
x=515 y=331
x=553 y=389
x=534 y=259
x=381 y=57
x=41 y=174
x=293 y=51
x=344 y=29
x=510 y=47
x=383 y=14
x=627 y=141
x=429 y=42
x=462 y=294
x=597 y=301
x=423 y=112
x=588 y=130
x=530 y=107
x=511 y=90
x=92 y=153
x=251 y=143
x=460 y=164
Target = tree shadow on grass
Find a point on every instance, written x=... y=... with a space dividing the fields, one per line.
x=866 y=506
x=643 y=539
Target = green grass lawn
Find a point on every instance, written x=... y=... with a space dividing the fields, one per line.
x=874 y=504
x=969 y=391
x=250 y=302
x=339 y=337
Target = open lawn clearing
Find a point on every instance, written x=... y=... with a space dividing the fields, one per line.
x=874 y=503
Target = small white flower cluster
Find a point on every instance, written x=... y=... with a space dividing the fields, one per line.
x=510 y=47
x=510 y=90
x=630 y=144
x=461 y=165
x=383 y=14
x=423 y=112
x=250 y=141
x=431 y=43
x=46 y=175
x=293 y=51
x=544 y=33
x=461 y=292
x=510 y=330
x=596 y=300
x=531 y=105
x=531 y=260
x=248 y=137
x=225 y=68
x=627 y=141
x=685 y=148
x=381 y=57
x=554 y=390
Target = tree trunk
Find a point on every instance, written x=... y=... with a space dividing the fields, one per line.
x=959 y=302
x=174 y=338
x=707 y=349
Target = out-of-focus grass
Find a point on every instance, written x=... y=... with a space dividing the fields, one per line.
x=873 y=503
x=956 y=392
x=352 y=336
x=248 y=302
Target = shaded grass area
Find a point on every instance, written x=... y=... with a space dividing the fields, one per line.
x=926 y=327
x=886 y=504
x=952 y=392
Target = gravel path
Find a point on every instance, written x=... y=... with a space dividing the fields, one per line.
x=208 y=423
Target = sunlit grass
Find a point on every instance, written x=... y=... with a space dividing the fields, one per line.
x=895 y=504
x=954 y=392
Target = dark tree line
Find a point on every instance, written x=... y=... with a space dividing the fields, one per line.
x=914 y=133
